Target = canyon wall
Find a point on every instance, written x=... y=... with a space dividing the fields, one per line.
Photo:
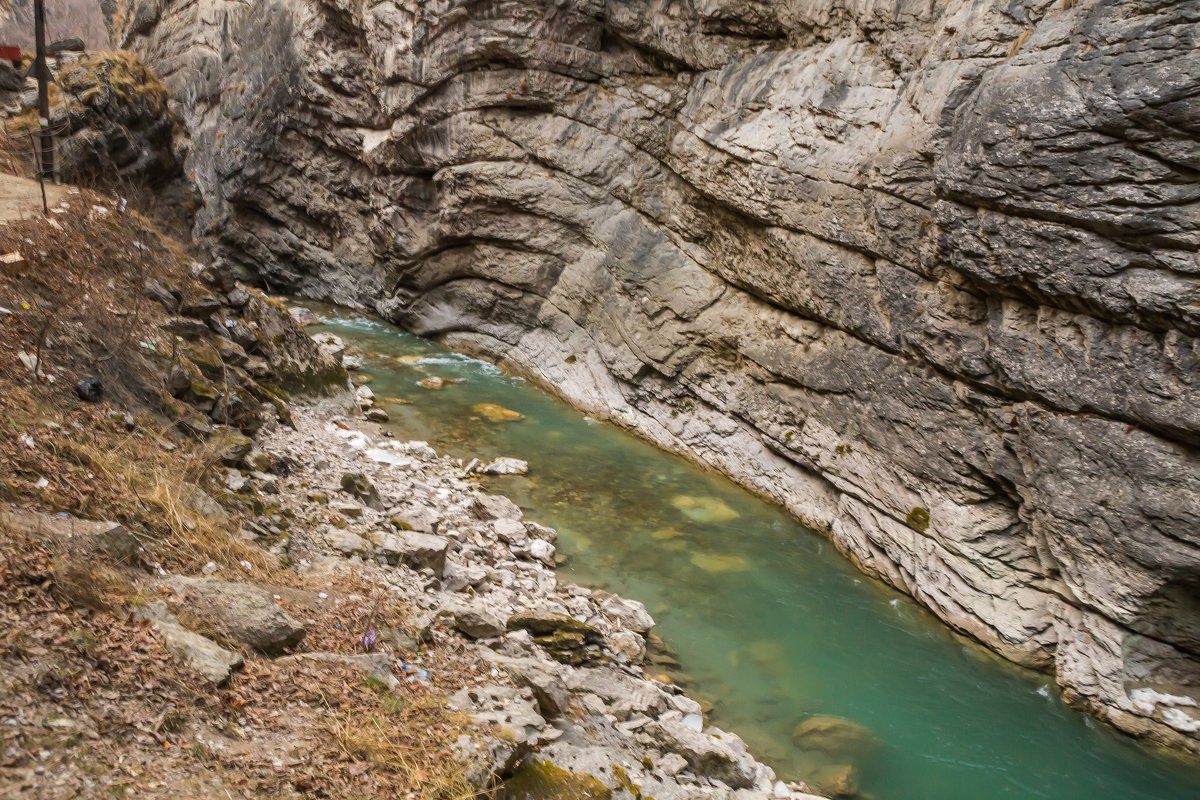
x=923 y=271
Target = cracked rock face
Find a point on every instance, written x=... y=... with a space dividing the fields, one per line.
x=923 y=272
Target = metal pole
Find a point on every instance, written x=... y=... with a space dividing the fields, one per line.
x=43 y=79
x=37 y=162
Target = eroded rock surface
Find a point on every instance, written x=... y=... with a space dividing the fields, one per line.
x=924 y=272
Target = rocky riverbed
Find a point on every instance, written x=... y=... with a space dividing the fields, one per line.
x=570 y=686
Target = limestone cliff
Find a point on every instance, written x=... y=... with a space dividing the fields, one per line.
x=924 y=271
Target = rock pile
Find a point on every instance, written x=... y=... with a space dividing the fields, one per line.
x=568 y=682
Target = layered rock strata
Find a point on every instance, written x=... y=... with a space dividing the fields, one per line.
x=924 y=272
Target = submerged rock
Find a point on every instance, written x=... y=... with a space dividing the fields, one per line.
x=506 y=466
x=720 y=562
x=497 y=413
x=838 y=781
x=704 y=509
x=833 y=735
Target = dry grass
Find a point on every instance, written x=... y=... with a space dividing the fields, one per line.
x=135 y=718
x=1019 y=42
x=382 y=735
x=128 y=717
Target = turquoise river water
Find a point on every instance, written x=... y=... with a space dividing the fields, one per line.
x=768 y=622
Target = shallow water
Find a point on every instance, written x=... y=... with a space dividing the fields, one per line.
x=769 y=623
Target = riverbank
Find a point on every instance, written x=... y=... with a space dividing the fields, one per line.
x=567 y=693
x=770 y=624
x=211 y=588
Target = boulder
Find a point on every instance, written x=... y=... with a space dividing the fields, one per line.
x=715 y=755
x=624 y=696
x=494 y=506
x=486 y=759
x=833 y=735
x=506 y=466
x=548 y=689
x=475 y=622
x=347 y=543
x=541 y=550
x=414 y=549
x=364 y=396
x=564 y=638
x=511 y=532
x=629 y=646
x=360 y=487
x=510 y=709
x=244 y=612
x=330 y=345
x=347 y=510
x=629 y=615
x=213 y=662
x=457 y=578
x=547 y=623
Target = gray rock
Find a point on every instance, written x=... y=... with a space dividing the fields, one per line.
x=238 y=296
x=347 y=510
x=511 y=532
x=347 y=543
x=361 y=488
x=242 y=611
x=629 y=615
x=671 y=764
x=364 y=395
x=541 y=678
x=495 y=507
x=205 y=656
x=512 y=710
x=623 y=695
x=486 y=759
x=456 y=578
x=629 y=645
x=416 y=550
x=476 y=622
x=331 y=345
x=720 y=756
x=505 y=466
x=540 y=550
x=541 y=532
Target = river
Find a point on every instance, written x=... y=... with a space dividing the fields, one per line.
x=769 y=623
